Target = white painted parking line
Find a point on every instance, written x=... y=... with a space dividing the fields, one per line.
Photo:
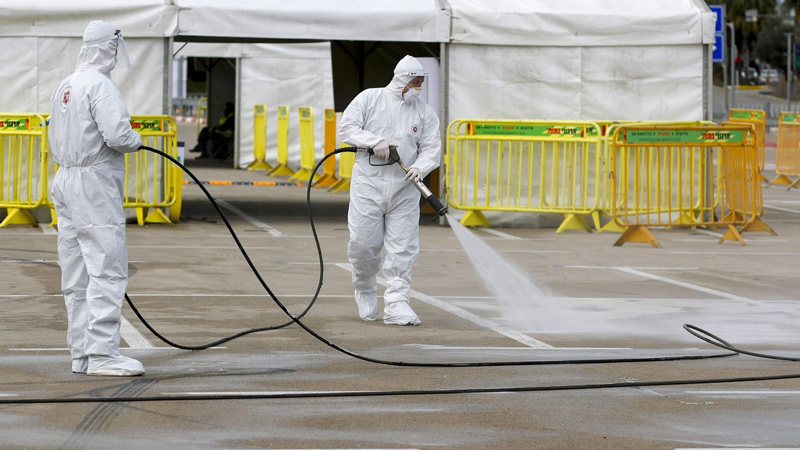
x=737 y=448
x=686 y=285
x=770 y=392
x=47 y=229
x=777 y=208
x=433 y=301
x=259 y=224
x=447 y=347
x=9 y=395
x=132 y=336
x=498 y=233
x=64 y=349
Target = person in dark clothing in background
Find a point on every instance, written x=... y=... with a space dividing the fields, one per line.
x=217 y=142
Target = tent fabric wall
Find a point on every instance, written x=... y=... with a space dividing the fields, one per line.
x=38 y=65
x=576 y=83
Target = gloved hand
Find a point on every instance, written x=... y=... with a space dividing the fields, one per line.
x=413 y=174
x=381 y=149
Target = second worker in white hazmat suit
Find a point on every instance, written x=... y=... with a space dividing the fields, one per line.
x=384 y=205
x=90 y=132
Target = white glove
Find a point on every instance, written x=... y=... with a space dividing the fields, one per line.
x=413 y=174
x=381 y=149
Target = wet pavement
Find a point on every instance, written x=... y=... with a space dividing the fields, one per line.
x=288 y=389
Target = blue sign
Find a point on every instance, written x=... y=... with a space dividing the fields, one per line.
x=719 y=25
x=719 y=48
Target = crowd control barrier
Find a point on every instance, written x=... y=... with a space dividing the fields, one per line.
x=684 y=176
x=328 y=177
x=307 y=157
x=23 y=166
x=525 y=166
x=757 y=118
x=152 y=182
x=346 y=162
x=787 y=158
x=282 y=167
x=260 y=140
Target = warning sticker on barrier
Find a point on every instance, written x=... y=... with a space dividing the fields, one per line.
x=682 y=136
x=14 y=124
x=790 y=117
x=747 y=115
x=146 y=125
x=513 y=129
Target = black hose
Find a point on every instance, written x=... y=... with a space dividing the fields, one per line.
x=696 y=331
x=296 y=319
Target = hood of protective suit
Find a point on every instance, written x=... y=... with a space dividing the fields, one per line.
x=100 y=42
x=403 y=75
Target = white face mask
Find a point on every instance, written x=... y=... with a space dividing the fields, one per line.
x=411 y=94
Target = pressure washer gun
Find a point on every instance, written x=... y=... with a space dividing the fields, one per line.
x=394 y=157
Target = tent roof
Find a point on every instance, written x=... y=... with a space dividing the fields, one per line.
x=355 y=20
x=489 y=22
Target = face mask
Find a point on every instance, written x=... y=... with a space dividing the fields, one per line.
x=411 y=94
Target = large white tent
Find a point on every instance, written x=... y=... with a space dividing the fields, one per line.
x=522 y=59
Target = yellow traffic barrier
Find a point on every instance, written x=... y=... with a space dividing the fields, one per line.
x=346 y=162
x=758 y=118
x=23 y=166
x=202 y=107
x=282 y=168
x=525 y=166
x=787 y=158
x=664 y=176
x=152 y=182
x=259 y=140
x=328 y=177
x=307 y=158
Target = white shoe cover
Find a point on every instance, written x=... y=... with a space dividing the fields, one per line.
x=114 y=366
x=399 y=313
x=367 y=305
x=80 y=365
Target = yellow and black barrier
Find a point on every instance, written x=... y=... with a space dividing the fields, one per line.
x=664 y=176
x=525 y=166
x=23 y=166
x=787 y=157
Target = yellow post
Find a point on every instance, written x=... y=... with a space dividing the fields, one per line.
x=307 y=159
x=328 y=177
x=346 y=162
x=260 y=139
x=283 y=144
x=202 y=106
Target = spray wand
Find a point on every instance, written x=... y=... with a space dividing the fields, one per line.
x=394 y=157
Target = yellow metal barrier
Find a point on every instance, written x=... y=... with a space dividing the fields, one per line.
x=664 y=176
x=153 y=182
x=787 y=159
x=260 y=140
x=328 y=177
x=758 y=118
x=23 y=166
x=282 y=168
x=525 y=166
x=307 y=158
x=202 y=107
x=346 y=162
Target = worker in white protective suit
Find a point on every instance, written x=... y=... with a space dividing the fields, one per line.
x=384 y=203
x=90 y=132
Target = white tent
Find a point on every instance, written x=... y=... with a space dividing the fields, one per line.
x=524 y=59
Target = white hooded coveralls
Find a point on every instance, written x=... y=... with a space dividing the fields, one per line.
x=384 y=208
x=89 y=133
